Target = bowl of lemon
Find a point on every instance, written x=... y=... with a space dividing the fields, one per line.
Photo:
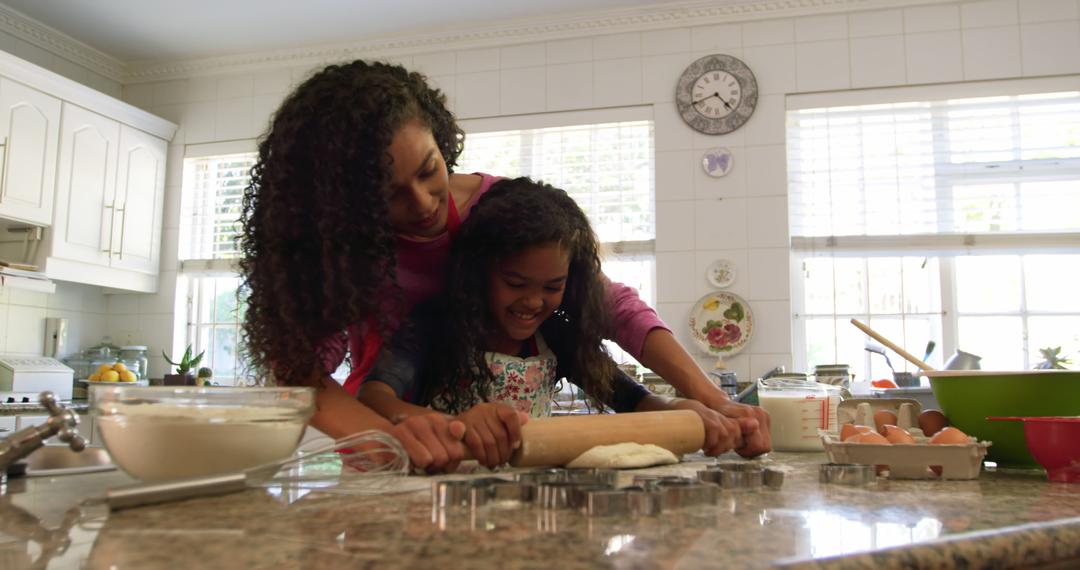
x=113 y=374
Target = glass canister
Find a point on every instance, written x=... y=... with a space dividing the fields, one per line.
x=798 y=408
x=134 y=357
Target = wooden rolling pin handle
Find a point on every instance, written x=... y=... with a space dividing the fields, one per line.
x=559 y=440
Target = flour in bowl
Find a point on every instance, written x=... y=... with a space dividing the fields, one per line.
x=156 y=442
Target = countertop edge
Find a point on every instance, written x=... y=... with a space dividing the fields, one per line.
x=1013 y=547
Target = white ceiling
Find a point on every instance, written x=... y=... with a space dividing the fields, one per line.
x=156 y=30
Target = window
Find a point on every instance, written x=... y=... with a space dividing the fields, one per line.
x=936 y=217
x=213 y=185
x=603 y=159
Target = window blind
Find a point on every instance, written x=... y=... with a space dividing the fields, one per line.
x=607 y=168
x=984 y=168
x=210 y=213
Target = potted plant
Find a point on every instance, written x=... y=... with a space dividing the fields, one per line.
x=183 y=376
x=1052 y=359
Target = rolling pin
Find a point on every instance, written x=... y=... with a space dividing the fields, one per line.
x=559 y=440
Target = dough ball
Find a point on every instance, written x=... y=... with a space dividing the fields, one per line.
x=624 y=456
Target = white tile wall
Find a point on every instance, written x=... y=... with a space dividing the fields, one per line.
x=741 y=217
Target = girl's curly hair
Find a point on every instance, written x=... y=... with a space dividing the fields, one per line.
x=512 y=216
x=318 y=248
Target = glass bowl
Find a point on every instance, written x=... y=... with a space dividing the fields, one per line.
x=157 y=433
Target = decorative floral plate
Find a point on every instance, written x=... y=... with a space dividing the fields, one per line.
x=721 y=323
x=721 y=273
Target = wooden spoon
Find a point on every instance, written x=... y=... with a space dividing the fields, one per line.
x=876 y=336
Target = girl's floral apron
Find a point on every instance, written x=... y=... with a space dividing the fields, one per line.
x=525 y=384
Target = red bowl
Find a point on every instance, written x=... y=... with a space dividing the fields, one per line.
x=1054 y=441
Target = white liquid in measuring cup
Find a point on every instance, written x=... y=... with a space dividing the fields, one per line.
x=796 y=419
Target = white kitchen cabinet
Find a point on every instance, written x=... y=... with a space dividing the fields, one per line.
x=86 y=188
x=29 y=127
x=140 y=195
x=100 y=164
x=109 y=203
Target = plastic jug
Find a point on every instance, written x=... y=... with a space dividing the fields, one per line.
x=798 y=408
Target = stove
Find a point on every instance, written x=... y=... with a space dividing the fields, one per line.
x=24 y=377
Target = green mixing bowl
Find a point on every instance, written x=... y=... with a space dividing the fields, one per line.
x=968 y=397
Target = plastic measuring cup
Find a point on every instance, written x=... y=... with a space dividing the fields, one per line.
x=798 y=409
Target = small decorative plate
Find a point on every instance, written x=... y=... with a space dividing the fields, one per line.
x=721 y=273
x=721 y=323
x=717 y=161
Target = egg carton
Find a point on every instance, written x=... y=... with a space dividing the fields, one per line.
x=860 y=411
x=911 y=460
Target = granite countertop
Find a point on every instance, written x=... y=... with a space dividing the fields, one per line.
x=35 y=408
x=1002 y=519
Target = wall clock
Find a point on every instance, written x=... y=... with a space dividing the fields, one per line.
x=716 y=94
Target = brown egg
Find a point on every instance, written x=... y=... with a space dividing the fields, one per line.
x=849 y=430
x=897 y=435
x=931 y=422
x=950 y=435
x=883 y=418
x=868 y=437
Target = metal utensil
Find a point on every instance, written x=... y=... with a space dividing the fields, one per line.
x=963 y=361
x=930 y=346
x=878 y=349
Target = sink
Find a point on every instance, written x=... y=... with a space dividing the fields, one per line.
x=61 y=460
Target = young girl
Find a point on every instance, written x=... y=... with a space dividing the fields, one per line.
x=524 y=307
x=347 y=224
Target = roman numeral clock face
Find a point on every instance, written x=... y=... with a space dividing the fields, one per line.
x=716 y=94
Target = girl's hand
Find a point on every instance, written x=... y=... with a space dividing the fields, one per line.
x=722 y=434
x=433 y=441
x=492 y=432
x=754 y=422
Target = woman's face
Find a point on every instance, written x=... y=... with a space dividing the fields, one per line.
x=523 y=292
x=419 y=183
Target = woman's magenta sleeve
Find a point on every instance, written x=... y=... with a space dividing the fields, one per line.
x=632 y=318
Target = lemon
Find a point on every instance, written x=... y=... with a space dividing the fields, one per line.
x=95 y=377
x=119 y=367
x=127 y=376
x=103 y=368
x=110 y=376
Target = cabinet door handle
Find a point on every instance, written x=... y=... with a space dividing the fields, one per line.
x=112 y=218
x=3 y=168
x=123 y=231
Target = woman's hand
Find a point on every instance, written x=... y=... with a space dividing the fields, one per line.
x=722 y=434
x=492 y=432
x=753 y=421
x=433 y=441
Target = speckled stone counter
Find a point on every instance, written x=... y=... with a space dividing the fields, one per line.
x=1003 y=519
x=28 y=409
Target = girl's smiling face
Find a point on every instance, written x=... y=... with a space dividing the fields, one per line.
x=523 y=291
x=419 y=183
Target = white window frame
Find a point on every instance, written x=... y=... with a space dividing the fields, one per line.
x=945 y=247
x=205 y=268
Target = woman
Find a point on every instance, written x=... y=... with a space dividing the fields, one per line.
x=347 y=224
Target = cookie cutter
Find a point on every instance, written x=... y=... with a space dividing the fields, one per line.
x=687 y=492
x=455 y=493
x=593 y=476
x=539 y=476
x=733 y=476
x=846 y=473
x=653 y=481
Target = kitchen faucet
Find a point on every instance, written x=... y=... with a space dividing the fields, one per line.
x=62 y=423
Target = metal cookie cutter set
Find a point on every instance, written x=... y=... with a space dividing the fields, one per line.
x=741 y=476
x=590 y=491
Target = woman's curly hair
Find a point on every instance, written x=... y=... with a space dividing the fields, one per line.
x=318 y=248
x=512 y=216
